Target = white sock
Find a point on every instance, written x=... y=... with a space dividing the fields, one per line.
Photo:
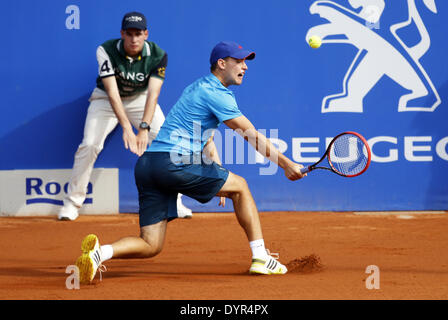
x=258 y=249
x=107 y=252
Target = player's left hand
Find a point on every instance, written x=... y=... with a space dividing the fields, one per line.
x=142 y=141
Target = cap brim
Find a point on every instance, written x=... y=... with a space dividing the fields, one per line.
x=134 y=26
x=244 y=54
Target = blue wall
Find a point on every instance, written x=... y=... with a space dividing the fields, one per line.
x=49 y=72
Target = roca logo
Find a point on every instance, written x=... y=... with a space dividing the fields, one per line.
x=45 y=192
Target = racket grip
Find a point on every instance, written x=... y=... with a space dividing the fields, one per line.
x=305 y=170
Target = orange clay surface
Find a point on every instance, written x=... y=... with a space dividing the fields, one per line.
x=207 y=258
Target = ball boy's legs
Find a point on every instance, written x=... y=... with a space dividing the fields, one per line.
x=100 y=122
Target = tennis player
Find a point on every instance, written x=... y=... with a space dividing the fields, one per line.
x=184 y=160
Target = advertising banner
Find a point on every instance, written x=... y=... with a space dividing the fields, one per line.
x=41 y=192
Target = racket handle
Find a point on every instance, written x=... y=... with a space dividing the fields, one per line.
x=305 y=170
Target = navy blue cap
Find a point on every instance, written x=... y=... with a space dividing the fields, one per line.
x=231 y=49
x=133 y=20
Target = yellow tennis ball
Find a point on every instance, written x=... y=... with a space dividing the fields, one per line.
x=315 y=42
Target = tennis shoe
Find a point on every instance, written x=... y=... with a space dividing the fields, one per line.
x=267 y=265
x=182 y=211
x=90 y=260
x=68 y=212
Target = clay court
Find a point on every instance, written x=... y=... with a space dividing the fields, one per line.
x=207 y=258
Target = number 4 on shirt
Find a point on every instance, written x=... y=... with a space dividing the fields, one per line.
x=105 y=67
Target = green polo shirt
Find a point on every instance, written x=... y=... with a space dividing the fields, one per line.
x=132 y=75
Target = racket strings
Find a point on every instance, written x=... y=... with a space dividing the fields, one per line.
x=348 y=155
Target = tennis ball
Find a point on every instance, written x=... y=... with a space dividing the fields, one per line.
x=315 y=42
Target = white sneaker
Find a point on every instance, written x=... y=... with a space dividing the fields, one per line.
x=183 y=211
x=267 y=265
x=90 y=260
x=68 y=212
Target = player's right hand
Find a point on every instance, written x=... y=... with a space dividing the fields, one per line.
x=292 y=172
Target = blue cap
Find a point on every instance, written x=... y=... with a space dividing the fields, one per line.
x=232 y=49
x=133 y=20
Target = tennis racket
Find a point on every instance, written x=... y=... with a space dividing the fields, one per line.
x=348 y=155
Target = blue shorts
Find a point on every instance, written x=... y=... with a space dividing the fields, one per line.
x=159 y=181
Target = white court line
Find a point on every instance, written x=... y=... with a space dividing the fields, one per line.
x=387 y=213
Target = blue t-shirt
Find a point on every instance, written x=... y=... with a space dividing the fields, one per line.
x=202 y=107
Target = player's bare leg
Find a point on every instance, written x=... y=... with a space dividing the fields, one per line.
x=148 y=245
x=237 y=190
